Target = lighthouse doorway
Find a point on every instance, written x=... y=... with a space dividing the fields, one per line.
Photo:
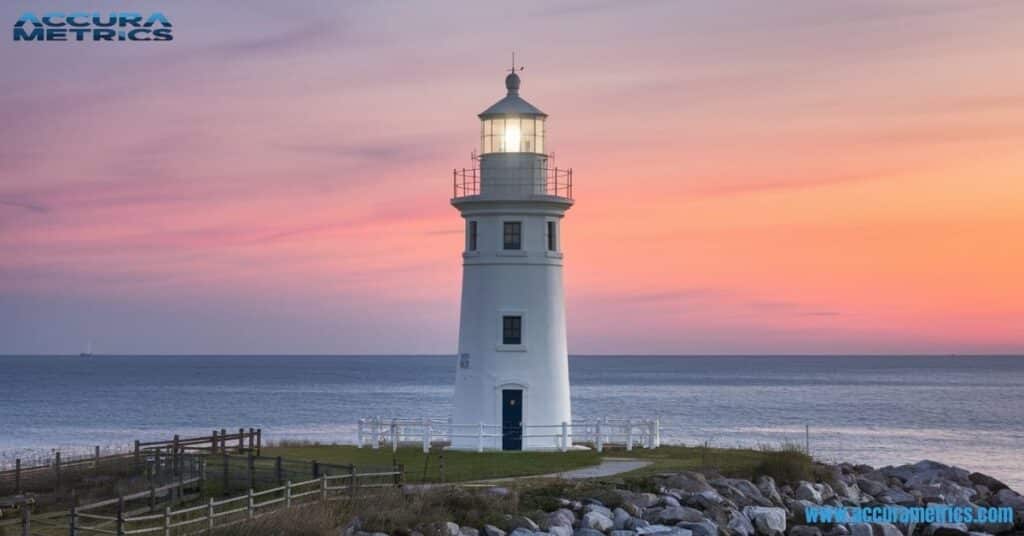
x=512 y=419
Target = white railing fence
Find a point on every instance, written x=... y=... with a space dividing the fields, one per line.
x=627 y=432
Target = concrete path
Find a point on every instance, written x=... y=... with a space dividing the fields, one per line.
x=607 y=467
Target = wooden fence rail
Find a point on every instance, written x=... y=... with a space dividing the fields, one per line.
x=212 y=514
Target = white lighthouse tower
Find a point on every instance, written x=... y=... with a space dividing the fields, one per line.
x=512 y=379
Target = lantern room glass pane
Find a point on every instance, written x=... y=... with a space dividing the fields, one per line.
x=512 y=135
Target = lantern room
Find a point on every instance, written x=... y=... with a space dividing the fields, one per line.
x=512 y=125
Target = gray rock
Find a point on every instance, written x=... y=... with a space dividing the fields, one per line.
x=837 y=530
x=861 y=529
x=662 y=530
x=597 y=520
x=767 y=520
x=766 y=485
x=560 y=530
x=701 y=528
x=688 y=481
x=635 y=523
x=491 y=530
x=738 y=524
x=352 y=527
x=870 y=486
x=583 y=531
x=451 y=529
x=806 y=492
x=522 y=532
x=619 y=518
x=987 y=481
x=599 y=508
x=622 y=533
x=885 y=529
x=1008 y=497
x=799 y=509
x=673 y=514
x=896 y=496
x=562 y=517
x=945 y=529
x=668 y=500
x=468 y=531
x=523 y=522
x=804 y=530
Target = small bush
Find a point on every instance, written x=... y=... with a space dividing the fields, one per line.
x=787 y=464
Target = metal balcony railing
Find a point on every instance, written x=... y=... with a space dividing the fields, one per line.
x=555 y=182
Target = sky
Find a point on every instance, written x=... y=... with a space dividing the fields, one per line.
x=750 y=177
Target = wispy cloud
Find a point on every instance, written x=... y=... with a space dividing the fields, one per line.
x=32 y=207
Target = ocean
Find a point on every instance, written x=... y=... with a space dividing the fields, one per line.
x=966 y=411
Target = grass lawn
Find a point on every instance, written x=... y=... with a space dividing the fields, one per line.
x=783 y=464
x=458 y=466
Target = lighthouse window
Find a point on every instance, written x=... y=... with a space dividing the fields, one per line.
x=471 y=236
x=512 y=330
x=552 y=236
x=513 y=235
x=512 y=135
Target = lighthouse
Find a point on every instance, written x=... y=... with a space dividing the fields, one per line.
x=512 y=376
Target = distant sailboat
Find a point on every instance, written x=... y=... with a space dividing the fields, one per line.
x=88 y=350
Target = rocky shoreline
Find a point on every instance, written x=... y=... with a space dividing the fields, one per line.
x=706 y=504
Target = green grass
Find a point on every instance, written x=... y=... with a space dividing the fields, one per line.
x=785 y=464
x=458 y=466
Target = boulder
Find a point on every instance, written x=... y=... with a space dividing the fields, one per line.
x=945 y=529
x=560 y=530
x=807 y=492
x=622 y=533
x=1008 y=497
x=870 y=486
x=799 y=508
x=522 y=532
x=738 y=524
x=896 y=496
x=662 y=530
x=670 y=515
x=767 y=520
x=597 y=520
x=982 y=479
x=837 y=530
x=470 y=531
x=491 y=530
x=700 y=528
x=669 y=500
x=861 y=529
x=599 y=508
x=619 y=518
x=687 y=481
x=584 y=531
x=766 y=485
x=523 y=522
x=451 y=529
x=635 y=523
x=563 y=517
x=885 y=529
x=804 y=530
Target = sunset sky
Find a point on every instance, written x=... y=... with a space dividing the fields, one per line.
x=750 y=176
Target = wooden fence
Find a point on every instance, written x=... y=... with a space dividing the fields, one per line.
x=204 y=516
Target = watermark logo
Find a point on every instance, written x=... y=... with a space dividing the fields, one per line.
x=81 y=26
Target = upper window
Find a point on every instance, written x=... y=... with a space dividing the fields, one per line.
x=552 y=236
x=512 y=330
x=512 y=235
x=471 y=236
x=512 y=135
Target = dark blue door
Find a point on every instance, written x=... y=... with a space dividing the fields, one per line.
x=512 y=419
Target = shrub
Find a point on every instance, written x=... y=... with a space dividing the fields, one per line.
x=787 y=464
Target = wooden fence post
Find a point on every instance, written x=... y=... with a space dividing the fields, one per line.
x=152 y=497
x=323 y=487
x=399 y=471
x=167 y=521
x=288 y=494
x=26 y=520
x=72 y=521
x=316 y=469
x=251 y=508
x=241 y=439
x=223 y=440
x=17 y=476
x=175 y=458
x=252 y=439
x=259 y=440
x=352 y=480
x=279 y=470
x=137 y=451
x=96 y=458
x=209 y=515
x=213 y=442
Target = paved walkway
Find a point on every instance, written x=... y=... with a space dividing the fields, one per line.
x=607 y=467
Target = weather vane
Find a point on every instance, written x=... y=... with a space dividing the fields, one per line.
x=513 y=69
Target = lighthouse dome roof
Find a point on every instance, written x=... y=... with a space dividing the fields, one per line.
x=512 y=104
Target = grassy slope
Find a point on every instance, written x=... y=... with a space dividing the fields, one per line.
x=459 y=466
